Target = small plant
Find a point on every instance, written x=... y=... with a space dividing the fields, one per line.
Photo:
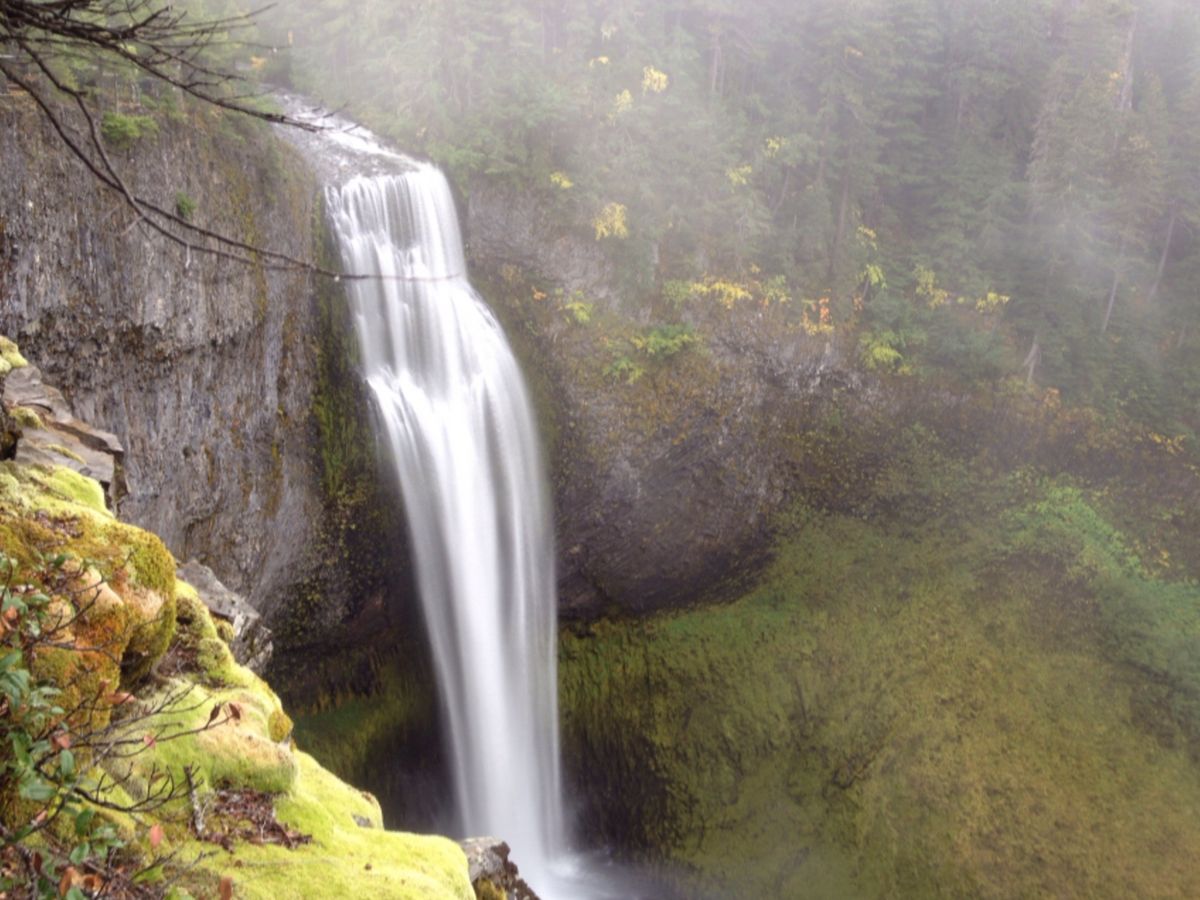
x=122 y=131
x=54 y=841
x=632 y=356
x=624 y=368
x=665 y=341
x=575 y=307
x=185 y=206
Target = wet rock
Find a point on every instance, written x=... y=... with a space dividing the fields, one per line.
x=202 y=369
x=52 y=435
x=251 y=644
x=492 y=873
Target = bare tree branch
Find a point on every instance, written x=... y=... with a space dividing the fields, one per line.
x=156 y=40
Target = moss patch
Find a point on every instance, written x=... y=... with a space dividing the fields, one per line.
x=938 y=711
x=345 y=859
x=10 y=356
x=26 y=417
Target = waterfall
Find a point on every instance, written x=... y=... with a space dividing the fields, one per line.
x=461 y=433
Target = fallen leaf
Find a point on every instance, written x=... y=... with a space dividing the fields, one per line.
x=150 y=740
x=235 y=711
x=226 y=889
x=116 y=698
x=62 y=740
x=72 y=877
x=156 y=835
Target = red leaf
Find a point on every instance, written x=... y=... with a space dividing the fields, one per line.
x=118 y=697
x=226 y=890
x=235 y=711
x=149 y=740
x=62 y=740
x=156 y=835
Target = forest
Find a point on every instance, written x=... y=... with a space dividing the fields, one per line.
x=975 y=188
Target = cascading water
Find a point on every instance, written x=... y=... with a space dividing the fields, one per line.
x=461 y=433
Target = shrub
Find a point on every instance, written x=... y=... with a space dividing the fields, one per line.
x=122 y=131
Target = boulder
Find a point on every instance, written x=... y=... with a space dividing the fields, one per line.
x=251 y=643
x=493 y=875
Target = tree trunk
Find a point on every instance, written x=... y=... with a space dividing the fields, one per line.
x=1125 y=98
x=1031 y=361
x=1116 y=283
x=1162 y=259
x=716 y=66
x=783 y=191
x=839 y=236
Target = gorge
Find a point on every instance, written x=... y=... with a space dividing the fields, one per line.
x=837 y=587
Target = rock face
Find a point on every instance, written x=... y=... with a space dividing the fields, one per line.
x=666 y=482
x=504 y=227
x=202 y=370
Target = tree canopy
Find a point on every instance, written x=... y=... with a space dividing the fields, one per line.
x=1032 y=158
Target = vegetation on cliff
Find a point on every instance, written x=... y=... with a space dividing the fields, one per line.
x=991 y=694
x=137 y=757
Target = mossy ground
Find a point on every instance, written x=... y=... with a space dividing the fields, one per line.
x=345 y=859
x=992 y=705
x=193 y=711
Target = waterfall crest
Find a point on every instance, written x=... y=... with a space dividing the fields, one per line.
x=460 y=429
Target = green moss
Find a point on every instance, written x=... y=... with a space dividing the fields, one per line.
x=225 y=630
x=218 y=665
x=344 y=859
x=238 y=751
x=26 y=418
x=351 y=734
x=63 y=451
x=74 y=488
x=928 y=712
x=488 y=890
x=280 y=725
x=151 y=562
x=10 y=356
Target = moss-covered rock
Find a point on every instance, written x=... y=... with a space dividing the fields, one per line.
x=204 y=723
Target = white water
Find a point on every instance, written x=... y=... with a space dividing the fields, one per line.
x=461 y=433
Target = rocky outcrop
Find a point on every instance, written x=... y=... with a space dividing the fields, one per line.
x=493 y=875
x=207 y=760
x=51 y=435
x=250 y=639
x=503 y=227
x=202 y=370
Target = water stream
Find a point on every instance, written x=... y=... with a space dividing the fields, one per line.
x=461 y=433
